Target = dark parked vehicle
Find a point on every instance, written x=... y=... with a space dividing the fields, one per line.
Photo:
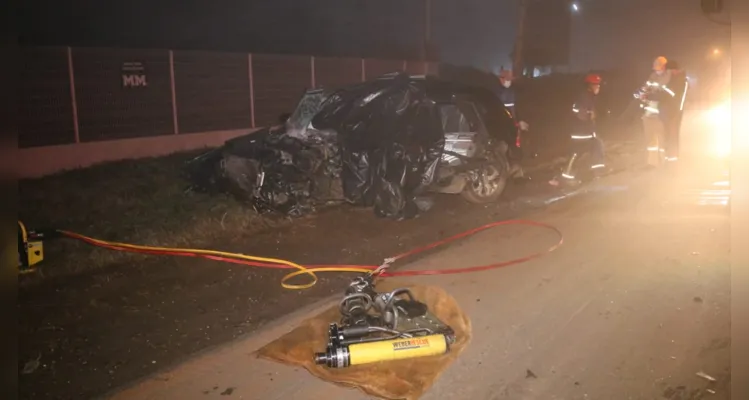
x=383 y=143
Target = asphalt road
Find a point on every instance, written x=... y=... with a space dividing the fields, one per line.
x=634 y=305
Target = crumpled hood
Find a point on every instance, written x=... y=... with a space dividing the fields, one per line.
x=364 y=110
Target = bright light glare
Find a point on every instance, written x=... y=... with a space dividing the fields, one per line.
x=719 y=119
x=740 y=126
x=716 y=52
x=575 y=7
x=720 y=116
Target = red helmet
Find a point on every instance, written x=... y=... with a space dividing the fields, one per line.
x=593 y=79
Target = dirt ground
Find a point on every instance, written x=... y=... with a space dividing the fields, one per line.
x=85 y=334
x=134 y=201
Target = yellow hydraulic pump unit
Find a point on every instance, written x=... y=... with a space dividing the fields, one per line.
x=381 y=327
x=31 y=247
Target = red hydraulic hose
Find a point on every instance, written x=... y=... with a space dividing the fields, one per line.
x=384 y=273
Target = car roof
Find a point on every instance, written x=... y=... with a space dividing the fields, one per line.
x=434 y=86
x=437 y=88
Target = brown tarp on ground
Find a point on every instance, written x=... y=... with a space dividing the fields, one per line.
x=400 y=379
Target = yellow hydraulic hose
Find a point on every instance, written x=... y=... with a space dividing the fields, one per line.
x=300 y=269
x=268 y=262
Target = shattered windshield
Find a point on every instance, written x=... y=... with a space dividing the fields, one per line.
x=308 y=106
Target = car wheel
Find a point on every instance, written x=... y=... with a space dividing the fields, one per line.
x=487 y=185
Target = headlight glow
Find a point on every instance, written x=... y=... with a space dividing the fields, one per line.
x=719 y=122
x=720 y=115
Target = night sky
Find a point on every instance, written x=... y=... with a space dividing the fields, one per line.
x=628 y=33
x=606 y=33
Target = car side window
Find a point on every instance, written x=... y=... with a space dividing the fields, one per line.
x=460 y=118
x=453 y=120
x=471 y=116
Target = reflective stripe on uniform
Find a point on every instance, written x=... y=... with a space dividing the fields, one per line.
x=596 y=166
x=672 y=158
x=509 y=104
x=652 y=110
x=664 y=87
x=568 y=176
x=684 y=96
x=653 y=148
x=582 y=137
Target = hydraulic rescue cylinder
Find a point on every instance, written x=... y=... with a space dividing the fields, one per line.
x=384 y=350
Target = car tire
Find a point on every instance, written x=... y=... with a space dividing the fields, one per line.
x=491 y=184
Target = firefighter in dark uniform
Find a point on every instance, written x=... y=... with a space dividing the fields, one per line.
x=659 y=100
x=583 y=137
x=673 y=109
x=506 y=94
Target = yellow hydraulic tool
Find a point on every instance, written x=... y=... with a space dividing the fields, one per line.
x=31 y=247
x=384 y=350
x=383 y=327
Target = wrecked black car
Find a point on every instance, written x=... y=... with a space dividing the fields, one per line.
x=385 y=143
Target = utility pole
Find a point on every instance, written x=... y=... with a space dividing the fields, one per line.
x=427 y=29
x=713 y=7
x=517 y=59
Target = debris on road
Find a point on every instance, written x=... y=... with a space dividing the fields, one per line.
x=706 y=376
x=31 y=365
x=529 y=374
